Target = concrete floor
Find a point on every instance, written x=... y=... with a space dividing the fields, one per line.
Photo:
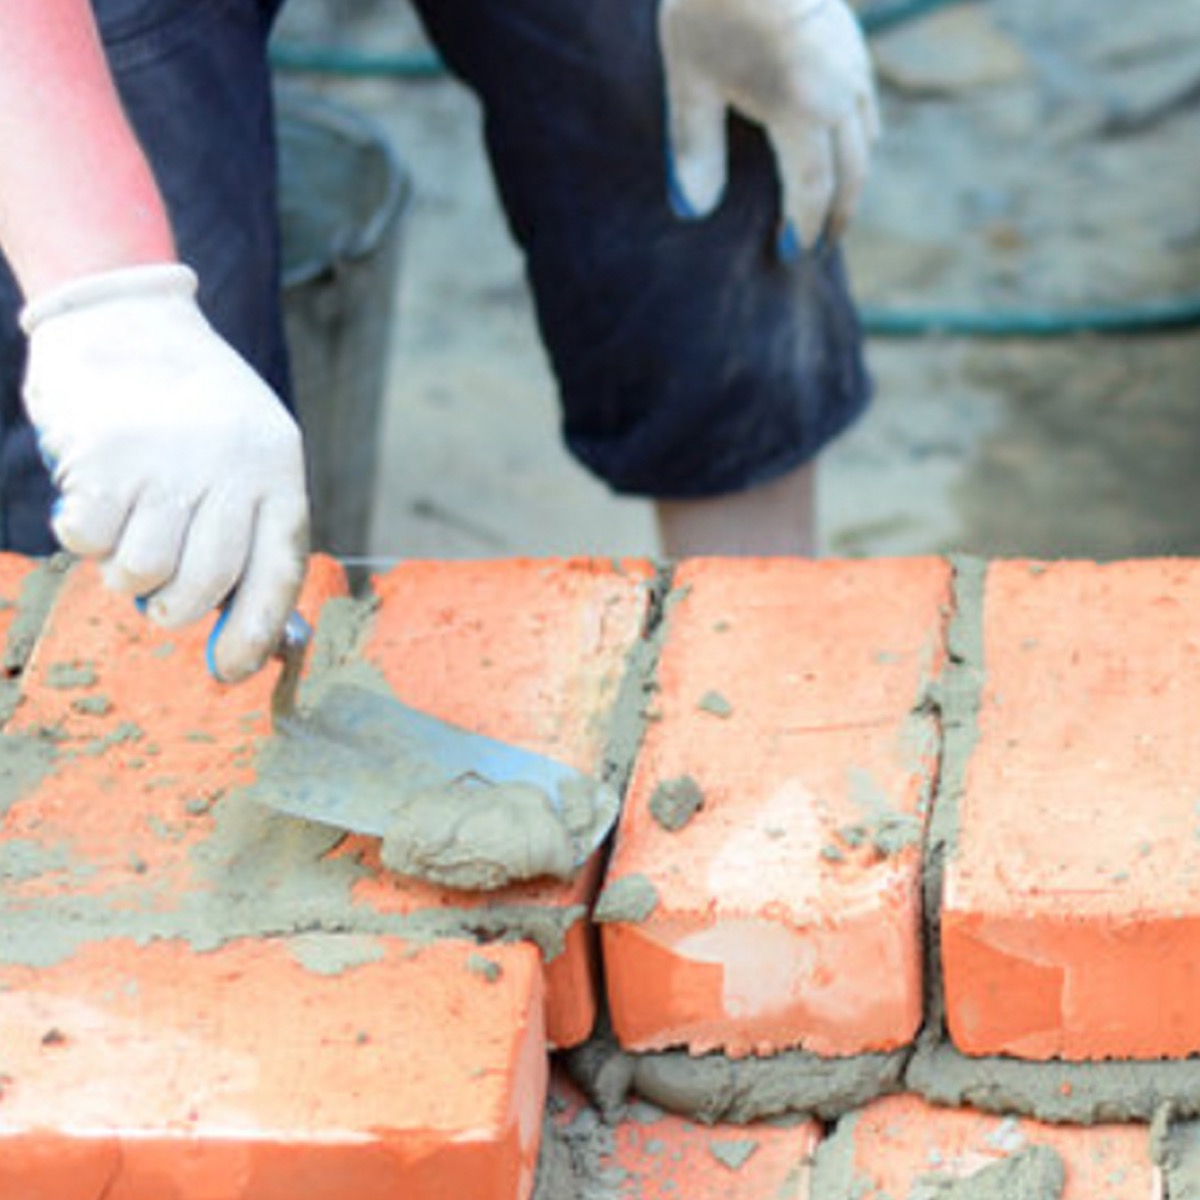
x=1066 y=447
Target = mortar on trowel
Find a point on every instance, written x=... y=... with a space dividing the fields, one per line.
x=451 y=806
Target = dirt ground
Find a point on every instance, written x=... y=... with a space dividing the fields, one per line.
x=1039 y=160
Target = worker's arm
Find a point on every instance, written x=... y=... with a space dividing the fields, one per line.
x=801 y=70
x=76 y=194
x=177 y=467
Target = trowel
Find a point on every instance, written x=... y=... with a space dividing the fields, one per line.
x=452 y=806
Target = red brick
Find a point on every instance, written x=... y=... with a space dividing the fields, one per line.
x=659 y=1156
x=901 y=1142
x=154 y=1073
x=1073 y=877
x=781 y=921
x=533 y=653
x=146 y=741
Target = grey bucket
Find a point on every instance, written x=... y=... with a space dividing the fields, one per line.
x=342 y=197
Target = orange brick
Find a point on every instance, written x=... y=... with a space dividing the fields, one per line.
x=1072 y=880
x=657 y=1156
x=533 y=653
x=900 y=1142
x=156 y=1073
x=145 y=743
x=787 y=909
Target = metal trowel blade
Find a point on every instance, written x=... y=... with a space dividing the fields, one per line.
x=354 y=758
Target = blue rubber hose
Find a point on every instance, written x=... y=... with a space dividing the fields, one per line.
x=1149 y=316
x=341 y=60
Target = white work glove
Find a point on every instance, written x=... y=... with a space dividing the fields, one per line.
x=798 y=68
x=177 y=466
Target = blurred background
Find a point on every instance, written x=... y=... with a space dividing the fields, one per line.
x=1027 y=260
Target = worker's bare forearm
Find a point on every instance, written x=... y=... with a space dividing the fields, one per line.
x=77 y=196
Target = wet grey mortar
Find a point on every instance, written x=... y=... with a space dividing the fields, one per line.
x=25 y=758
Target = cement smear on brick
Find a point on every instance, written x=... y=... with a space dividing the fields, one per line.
x=578 y=1159
x=26 y=757
x=1175 y=1150
x=733 y=1153
x=67 y=675
x=1034 y=1173
x=888 y=830
x=38 y=591
x=25 y=760
x=833 y=1172
x=634 y=704
x=484 y=967
x=675 y=802
x=1031 y=1173
x=22 y=859
x=556 y=1178
x=628 y=900
x=333 y=954
x=257 y=875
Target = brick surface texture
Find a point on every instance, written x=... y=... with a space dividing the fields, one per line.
x=904 y=1147
x=787 y=909
x=1073 y=880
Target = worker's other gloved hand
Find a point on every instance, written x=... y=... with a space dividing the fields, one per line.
x=801 y=70
x=177 y=466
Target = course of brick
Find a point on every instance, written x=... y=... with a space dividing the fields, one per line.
x=786 y=909
x=1075 y=866
x=828 y=769
x=144 y=1072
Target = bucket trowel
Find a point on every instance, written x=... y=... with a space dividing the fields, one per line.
x=452 y=806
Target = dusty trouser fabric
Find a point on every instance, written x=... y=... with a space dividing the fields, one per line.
x=691 y=361
x=194 y=80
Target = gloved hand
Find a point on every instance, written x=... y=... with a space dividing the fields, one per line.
x=177 y=466
x=801 y=70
